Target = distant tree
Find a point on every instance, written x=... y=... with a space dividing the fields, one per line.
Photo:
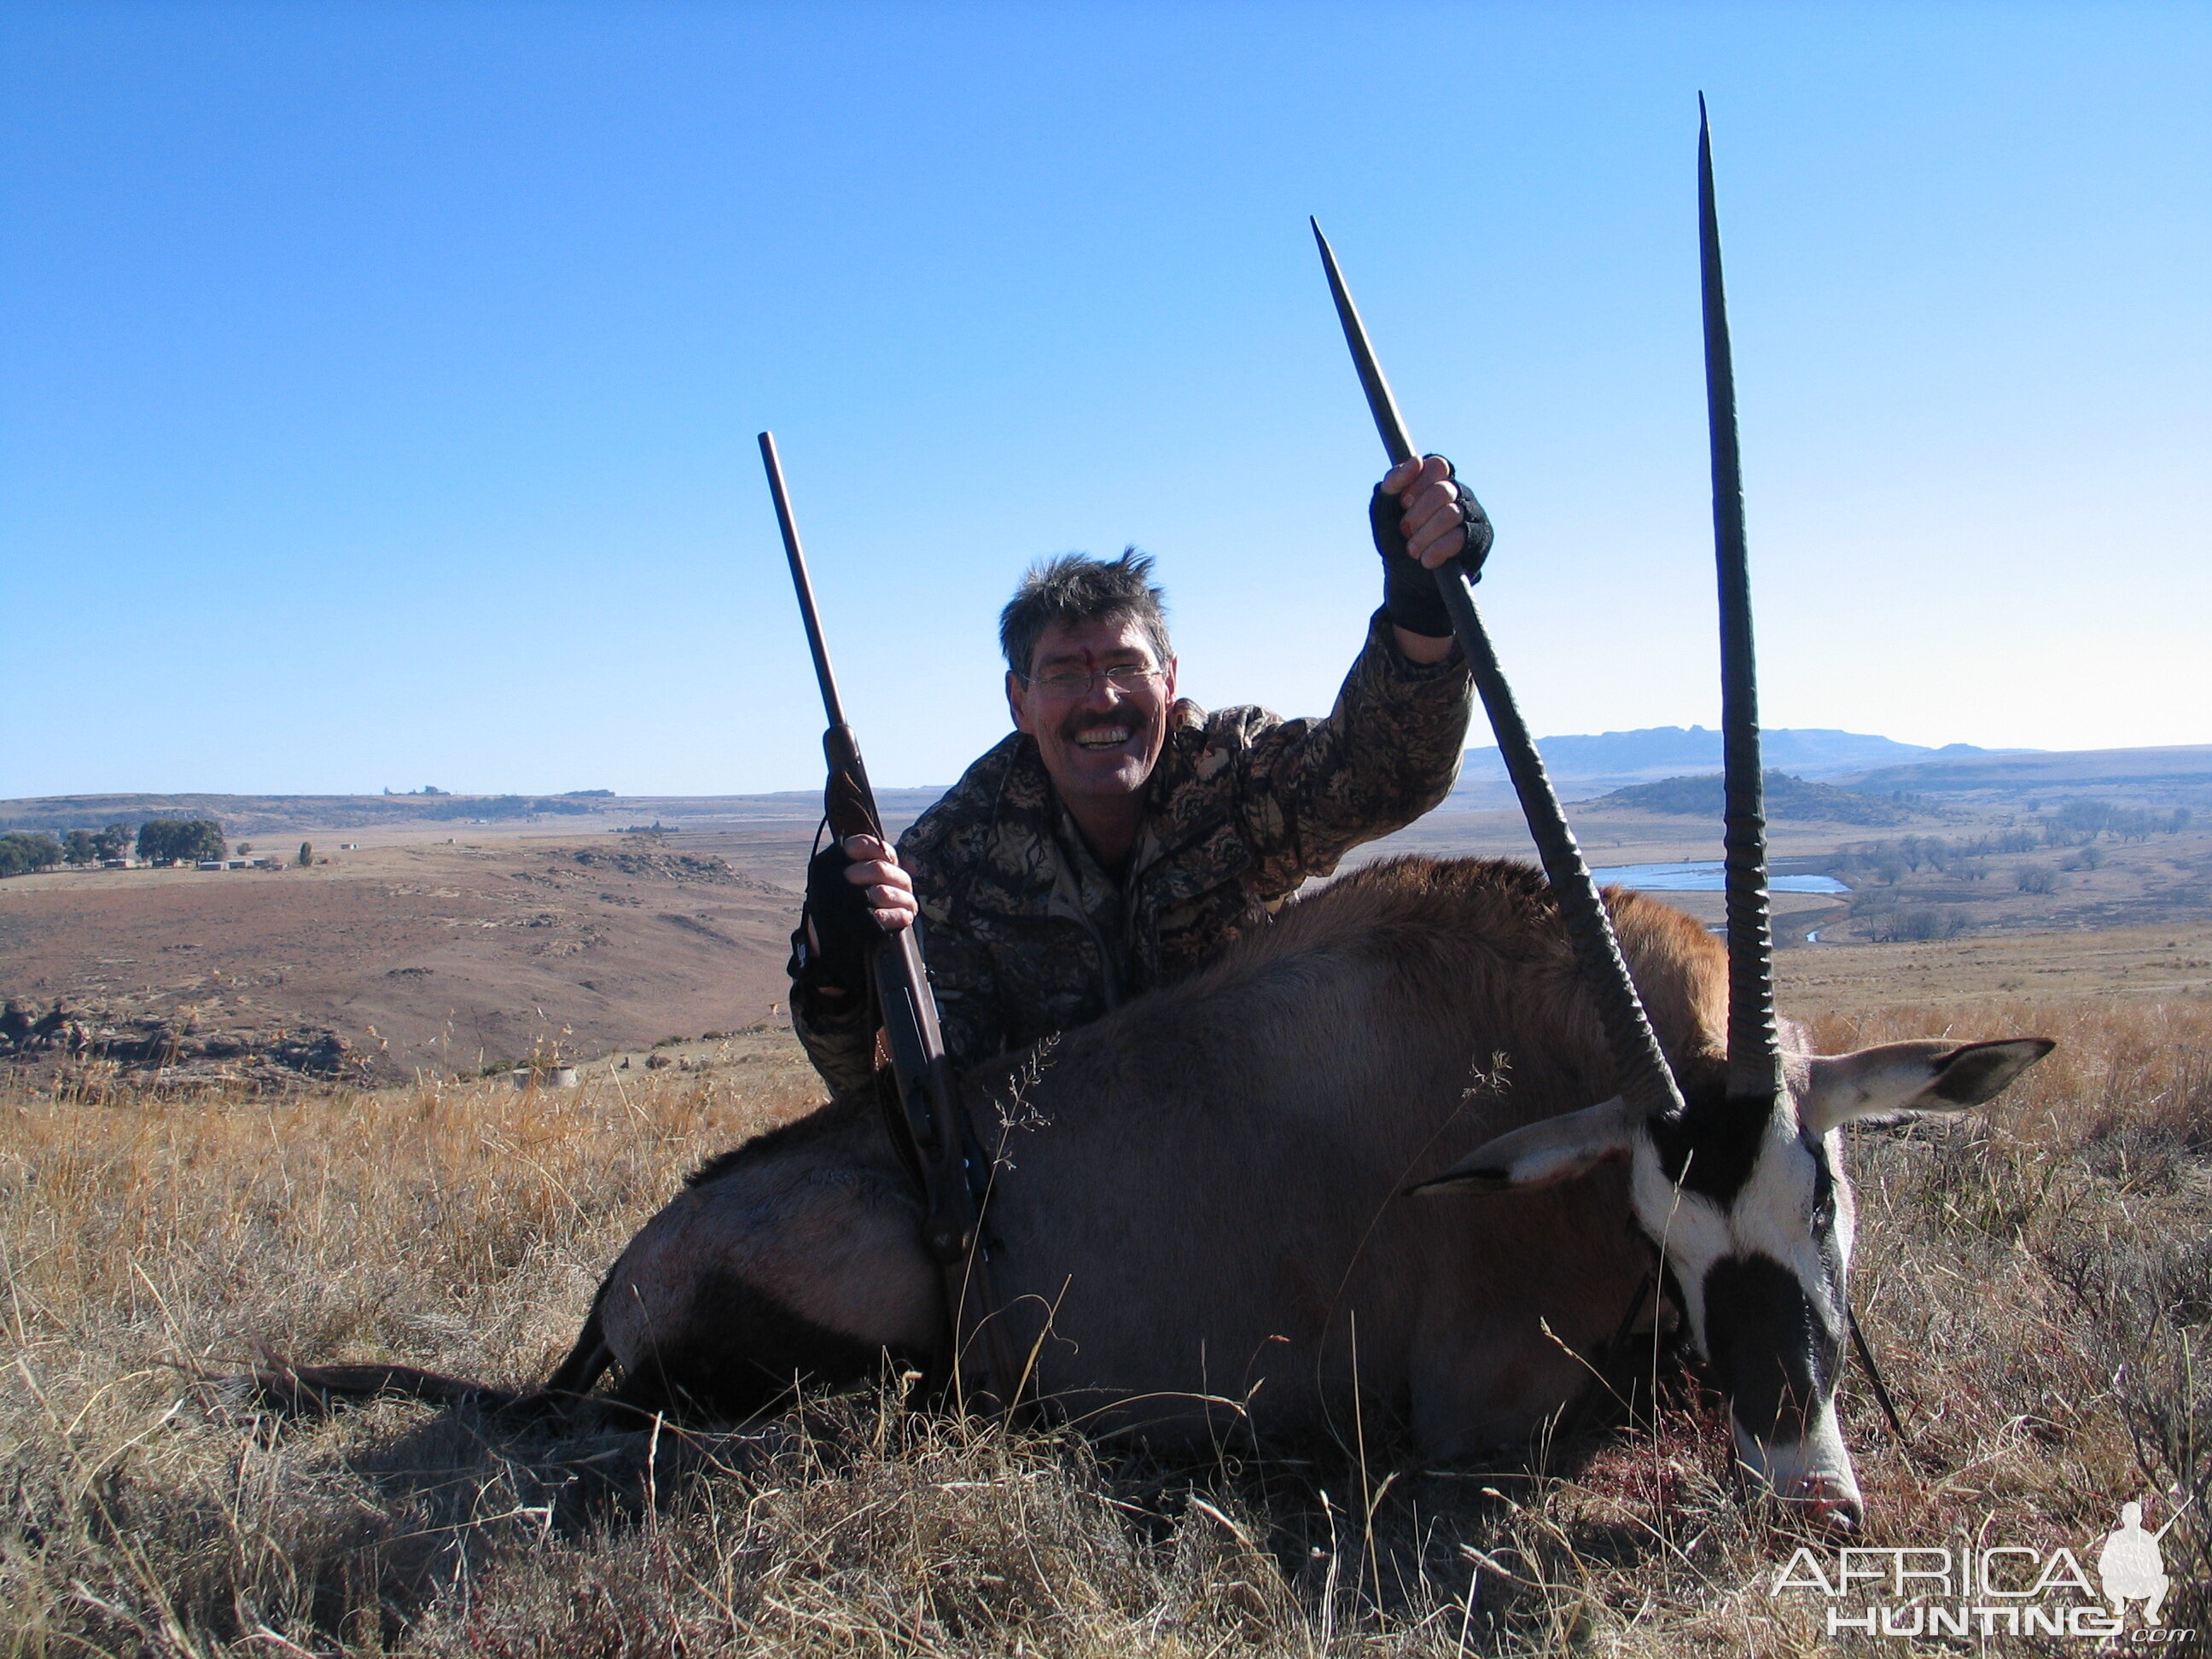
x=112 y=843
x=244 y=847
x=2084 y=818
x=22 y=851
x=79 y=848
x=186 y=841
x=1913 y=923
x=307 y=854
x=2036 y=879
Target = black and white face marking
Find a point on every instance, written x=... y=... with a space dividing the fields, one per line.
x=1755 y=1221
x=1749 y=1203
x=1775 y=1353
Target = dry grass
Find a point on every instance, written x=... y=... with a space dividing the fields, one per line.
x=2033 y=1279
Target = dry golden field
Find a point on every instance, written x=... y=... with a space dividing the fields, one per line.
x=2036 y=1279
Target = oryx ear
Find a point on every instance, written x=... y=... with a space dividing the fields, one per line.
x=1557 y=1149
x=1902 y=1078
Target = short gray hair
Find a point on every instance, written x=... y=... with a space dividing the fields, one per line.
x=1074 y=588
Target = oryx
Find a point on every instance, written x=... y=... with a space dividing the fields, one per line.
x=1198 y=1215
x=1197 y=1198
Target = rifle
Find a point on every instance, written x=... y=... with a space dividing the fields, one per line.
x=928 y=1125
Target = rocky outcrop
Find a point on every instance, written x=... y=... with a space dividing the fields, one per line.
x=152 y=1047
x=708 y=868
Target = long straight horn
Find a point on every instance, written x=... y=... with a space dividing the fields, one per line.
x=1754 y=1053
x=1645 y=1080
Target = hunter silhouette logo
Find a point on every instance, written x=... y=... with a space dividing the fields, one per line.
x=2131 y=1568
x=1994 y=1589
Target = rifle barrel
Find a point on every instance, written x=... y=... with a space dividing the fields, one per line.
x=830 y=703
x=925 y=1115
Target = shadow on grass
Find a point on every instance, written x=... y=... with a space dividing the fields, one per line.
x=466 y=1534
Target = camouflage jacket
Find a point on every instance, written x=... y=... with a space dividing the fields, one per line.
x=1026 y=934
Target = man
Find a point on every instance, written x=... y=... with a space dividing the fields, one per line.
x=1120 y=838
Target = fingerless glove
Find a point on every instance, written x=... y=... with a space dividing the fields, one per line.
x=843 y=928
x=1410 y=596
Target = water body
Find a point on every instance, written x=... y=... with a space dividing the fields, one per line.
x=1703 y=877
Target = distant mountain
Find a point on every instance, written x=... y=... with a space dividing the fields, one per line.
x=266 y=814
x=2181 y=772
x=1787 y=797
x=1666 y=751
x=261 y=815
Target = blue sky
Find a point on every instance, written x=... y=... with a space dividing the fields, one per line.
x=377 y=382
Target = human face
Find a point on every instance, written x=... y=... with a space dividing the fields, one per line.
x=1100 y=744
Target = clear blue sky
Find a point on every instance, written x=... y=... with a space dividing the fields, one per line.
x=377 y=382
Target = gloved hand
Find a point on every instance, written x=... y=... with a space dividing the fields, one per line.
x=829 y=951
x=1442 y=512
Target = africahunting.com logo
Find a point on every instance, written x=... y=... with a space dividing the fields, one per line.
x=2003 y=1589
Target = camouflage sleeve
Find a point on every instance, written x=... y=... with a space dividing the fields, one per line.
x=1311 y=790
x=966 y=982
x=944 y=841
x=843 y=1047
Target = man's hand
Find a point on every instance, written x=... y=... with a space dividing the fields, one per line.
x=1423 y=518
x=1431 y=518
x=888 y=888
x=855 y=894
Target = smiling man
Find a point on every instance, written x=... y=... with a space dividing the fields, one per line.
x=1121 y=837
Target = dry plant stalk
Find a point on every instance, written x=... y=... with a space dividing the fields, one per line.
x=2036 y=1279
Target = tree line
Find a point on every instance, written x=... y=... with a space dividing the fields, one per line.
x=2078 y=823
x=158 y=841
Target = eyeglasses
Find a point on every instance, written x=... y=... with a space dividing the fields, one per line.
x=1124 y=676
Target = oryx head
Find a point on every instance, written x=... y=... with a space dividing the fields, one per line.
x=1742 y=1189
x=1747 y=1199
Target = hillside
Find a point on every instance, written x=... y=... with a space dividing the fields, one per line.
x=2181 y=775
x=1585 y=764
x=580 y=812
x=390 y=960
x=1787 y=796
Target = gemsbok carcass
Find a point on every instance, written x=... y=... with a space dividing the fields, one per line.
x=1200 y=1211
x=1406 y=1153
x=1199 y=1208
